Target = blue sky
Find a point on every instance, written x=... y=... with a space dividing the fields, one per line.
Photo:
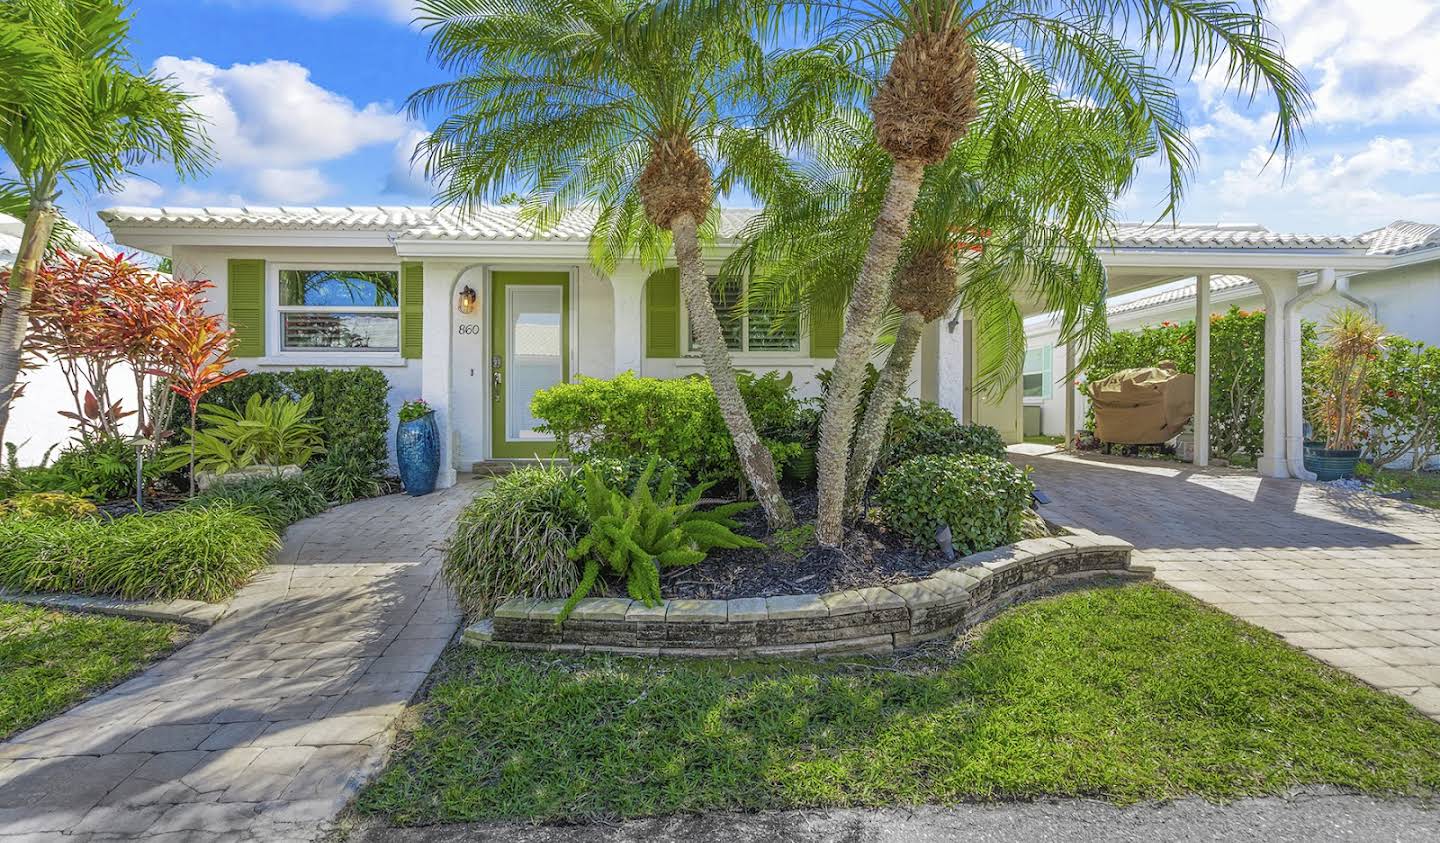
x=305 y=95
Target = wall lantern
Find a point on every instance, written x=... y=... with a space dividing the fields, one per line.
x=468 y=300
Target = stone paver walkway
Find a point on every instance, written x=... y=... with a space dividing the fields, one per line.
x=265 y=725
x=1352 y=579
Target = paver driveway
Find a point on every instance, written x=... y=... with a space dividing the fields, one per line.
x=262 y=728
x=1352 y=579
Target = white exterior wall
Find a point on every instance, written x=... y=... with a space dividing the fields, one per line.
x=1407 y=302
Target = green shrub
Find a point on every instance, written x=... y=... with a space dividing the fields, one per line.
x=920 y=428
x=100 y=470
x=514 y=540
x=983 y=499
x=350 y=404
x=267 y=431
x=636 y=535
x=195 y=553
x=278 y=501
x=347 y=473
x=47 y=505
x=630 y=417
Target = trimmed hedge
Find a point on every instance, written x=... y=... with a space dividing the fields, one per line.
x=630 y=418
x=983 y=499
x=202 y=552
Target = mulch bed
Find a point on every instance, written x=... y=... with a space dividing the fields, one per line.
x=871 y=556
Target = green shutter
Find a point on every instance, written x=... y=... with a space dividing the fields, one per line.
x=412 y=310
x=826 y=324
x=245 y=309
x=662 y=314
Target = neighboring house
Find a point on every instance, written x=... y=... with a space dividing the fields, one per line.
x=35 y=427
x=1403 y=295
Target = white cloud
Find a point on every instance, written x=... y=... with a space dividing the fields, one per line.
x=293 y=186
x=1367 y=62
x=407 y=176
x=137 y=191
x=271 y=114
x=1339 y=193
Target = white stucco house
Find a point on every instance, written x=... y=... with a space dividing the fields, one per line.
x=1403 y=294
x=474 y=313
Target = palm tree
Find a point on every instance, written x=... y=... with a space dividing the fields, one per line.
x=1014 y=210
x=87 y=117
x=632 y=106
x=1106 y=52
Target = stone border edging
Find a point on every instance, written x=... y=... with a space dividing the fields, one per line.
x=868 y=620
x=191 y=612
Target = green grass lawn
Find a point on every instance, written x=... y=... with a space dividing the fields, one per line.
x=51 y=660
x=1045 y=440
x=1424 y=485
x=1125 y=693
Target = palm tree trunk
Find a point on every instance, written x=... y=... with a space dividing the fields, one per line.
x=862 y=320
x=888 y=389
x=15 y=319
x=756 y=462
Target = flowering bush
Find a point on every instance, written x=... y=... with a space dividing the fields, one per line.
x=1402 y=403
x=416 y=408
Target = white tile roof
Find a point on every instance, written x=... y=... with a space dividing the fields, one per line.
x=1402 y=237
x=1182 y=293
x=494 y=222
x=1221 y=236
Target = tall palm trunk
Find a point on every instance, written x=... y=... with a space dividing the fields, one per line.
x=755 y=459
x=871 y=436
x=862 y=321
x=15 y=319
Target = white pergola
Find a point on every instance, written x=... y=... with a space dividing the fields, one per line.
x=1290 y=270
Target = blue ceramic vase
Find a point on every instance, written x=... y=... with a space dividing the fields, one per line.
x=417 y=450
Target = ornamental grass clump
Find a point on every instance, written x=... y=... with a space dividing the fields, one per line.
x=634 y=536
x=278 y=501
x=982 y=499
x=515 y=539
x=204 y=552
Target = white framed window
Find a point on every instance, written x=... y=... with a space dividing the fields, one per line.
x=1038 y=380
x=325 y=309
x=757 y=329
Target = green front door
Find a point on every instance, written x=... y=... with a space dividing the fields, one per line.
x=530 y=351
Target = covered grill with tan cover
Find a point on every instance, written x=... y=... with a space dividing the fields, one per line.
x=1143 y=406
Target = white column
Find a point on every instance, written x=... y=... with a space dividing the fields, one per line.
x=436 y=362
x=1278 y=290
x=1069 y=395
x=950 y=384
x=629 y=286
x=1202 y=369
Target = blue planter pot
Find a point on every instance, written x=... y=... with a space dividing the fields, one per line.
x=1330 y=464
x=417 y=450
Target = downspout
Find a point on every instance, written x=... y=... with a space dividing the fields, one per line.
x=1342 y=286
x=1294 y=409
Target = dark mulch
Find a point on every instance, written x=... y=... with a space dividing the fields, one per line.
x=116 y=509
x=871 y=556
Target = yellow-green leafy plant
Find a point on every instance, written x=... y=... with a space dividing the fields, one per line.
x=634 y=536
x=47 y=505
x=268 y=431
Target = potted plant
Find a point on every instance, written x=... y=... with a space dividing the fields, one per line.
x=1352 y=340
x=417 y=447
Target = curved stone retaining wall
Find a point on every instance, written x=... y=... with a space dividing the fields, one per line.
x=867 y=620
